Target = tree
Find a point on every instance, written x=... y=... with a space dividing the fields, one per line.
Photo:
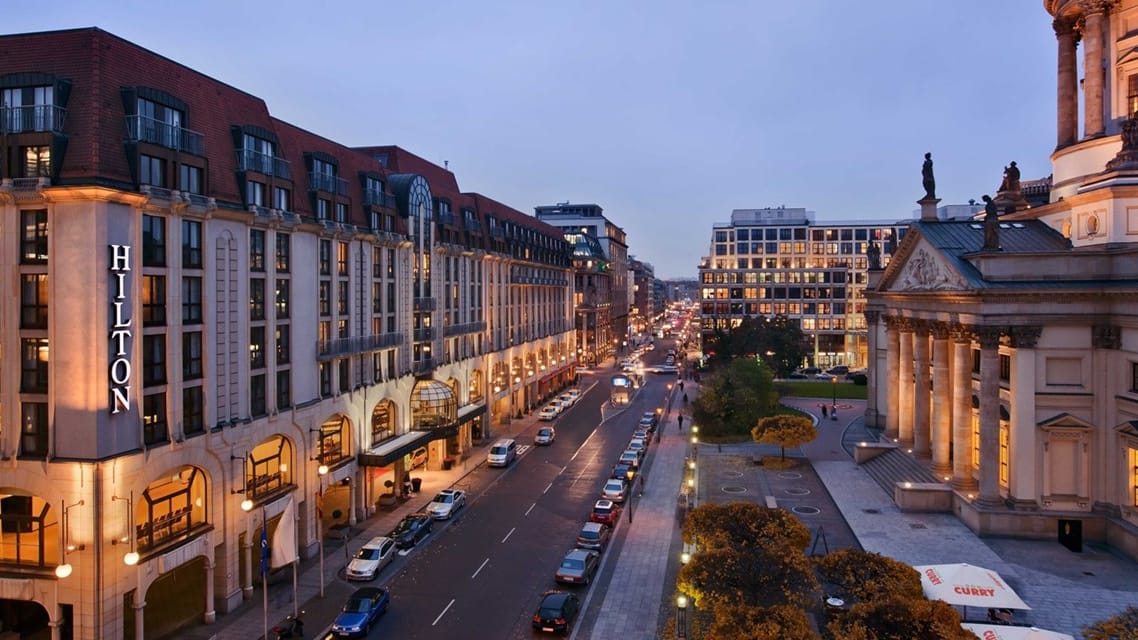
x=740 y=524
x=864 y=575
x=1123 y=625
x=785 y=431
x=779 y=622
x=899 y=618
x=732 y=399
x=750 y=576
x=756 y=337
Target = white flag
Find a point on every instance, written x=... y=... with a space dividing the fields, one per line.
x=284 y=538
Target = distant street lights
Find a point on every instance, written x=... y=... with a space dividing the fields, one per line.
x=834 y=405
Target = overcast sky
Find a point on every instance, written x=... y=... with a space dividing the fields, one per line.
x=669 y=113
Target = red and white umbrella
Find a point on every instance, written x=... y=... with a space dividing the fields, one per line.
x=968 y=586
x=1003 y=632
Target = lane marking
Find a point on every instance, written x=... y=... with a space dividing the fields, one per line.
x=547 y=488
x=509 y=534
x=531 y=508
x=443 y=613
x=475 y=574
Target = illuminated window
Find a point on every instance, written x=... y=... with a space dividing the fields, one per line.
x=975 y=440
x=1004 y=457
x=33 y=301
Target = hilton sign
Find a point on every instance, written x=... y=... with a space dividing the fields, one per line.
x=120 y=330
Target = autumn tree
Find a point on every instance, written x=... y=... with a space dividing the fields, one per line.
x=899 y=618
x=739 y=524
x=779 y=622
x=785 y=431
x=733 y=398
x=754 y=576
x=1124 y=625
x=863 y=575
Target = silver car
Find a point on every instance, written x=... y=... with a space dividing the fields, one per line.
x=577 y=567
x=371 y=557
x=446 y=503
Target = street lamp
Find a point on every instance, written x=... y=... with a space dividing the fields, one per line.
x=681 y=616
x=630 y=473
x=321 y=471
x=834 y=405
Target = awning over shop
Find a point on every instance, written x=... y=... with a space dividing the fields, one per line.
x=469 y=412
x=552 y=374
x=392 y=449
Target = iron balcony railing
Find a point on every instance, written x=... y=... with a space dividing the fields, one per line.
x=462 y=329
x=334 y=347
x=446 y=218
x=146 y=129
x=497 y=232
x=425 y=304
x=424 y=334
x=252 y=160
x=473 y=225
x=378 y=198
x=325 y=182
x=423 y=367
x=36 y=117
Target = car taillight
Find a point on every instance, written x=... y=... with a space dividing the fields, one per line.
x=536 y=618
x=559 y=621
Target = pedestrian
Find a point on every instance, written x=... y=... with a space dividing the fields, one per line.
x=834 y=412
x=681 y=385
x=824 y=414
x=680 y=421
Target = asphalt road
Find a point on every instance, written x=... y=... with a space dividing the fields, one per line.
x=481 y=573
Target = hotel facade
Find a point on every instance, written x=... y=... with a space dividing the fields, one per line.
x=1005 y=352
x=219 y=313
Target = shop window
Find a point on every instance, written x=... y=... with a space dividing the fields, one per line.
x=29 y=531
x=333 y=445
x=172 y=509
x=382 y=422
x=268 y=469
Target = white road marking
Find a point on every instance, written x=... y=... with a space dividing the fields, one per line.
x=443 y=613
x=475 y=574
x=509 y=534
x=531 y=508
x=547 y=488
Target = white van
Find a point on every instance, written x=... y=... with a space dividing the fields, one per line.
x=502 y=453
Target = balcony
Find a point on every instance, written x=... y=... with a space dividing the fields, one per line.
x=250 y=160
x=473 y=225
x=31 y=118
x=462 y=329
x=424 y=334
x=336 y=347
x=144 y=129
x=446 y=218
x=327 y=182
x=497 y=232
x=425 y=304
x=423 y=367
x=377 y=198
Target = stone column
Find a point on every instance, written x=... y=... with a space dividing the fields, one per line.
x=989 y=338
x=1094 y=16
x=892 y=363
x=1068 y=90
x=921 y=425
x=1022 y=429
x=942 y=401
x=210 y=615
x=139 y=606
x=962 y=409
x=871 y=320
x=904 y=384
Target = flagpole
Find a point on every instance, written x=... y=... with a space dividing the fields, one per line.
x=295 y=609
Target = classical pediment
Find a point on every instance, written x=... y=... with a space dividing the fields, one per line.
x=924 y=268
x=1065 y=421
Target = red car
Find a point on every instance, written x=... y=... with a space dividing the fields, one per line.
x=605 y=512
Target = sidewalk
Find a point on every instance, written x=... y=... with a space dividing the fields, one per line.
x=247 y=621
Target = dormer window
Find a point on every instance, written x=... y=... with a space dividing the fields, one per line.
x=323 y=177
x=260 y=155
x=24 y=109
x=161 y=124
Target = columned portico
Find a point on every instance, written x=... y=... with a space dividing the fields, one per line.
x=921 y=426
x=892 y=372
x=871 y=320
x=1094 y=19
x=989 y=338
x=904 y=382
x=962 y=409
x=942 y=401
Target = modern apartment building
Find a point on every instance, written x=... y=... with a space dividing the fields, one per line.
x=221 y=313
x=781 y=261
x=645 y=304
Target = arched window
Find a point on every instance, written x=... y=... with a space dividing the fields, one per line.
x=477 y=386
x=334 y=443
x=172 y=508
x=382 y=422
x=433 y=405
x=268 y=470
x=24 y=524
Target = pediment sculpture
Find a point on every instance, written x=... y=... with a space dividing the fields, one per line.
x=924 y=271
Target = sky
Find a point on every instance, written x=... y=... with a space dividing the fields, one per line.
x=667 y=113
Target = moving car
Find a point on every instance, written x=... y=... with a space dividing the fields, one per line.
x=545 y=436
x=371 y=557
x=361 y=611
x=502 y=452
x=556 y=612
x=547 y=413
x=605 y=512
x=411 y=529
x=594 y=535
x=446 y=503
x=614 y=490
x=577 y=567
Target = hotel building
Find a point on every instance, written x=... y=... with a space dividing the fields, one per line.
x=219 y=313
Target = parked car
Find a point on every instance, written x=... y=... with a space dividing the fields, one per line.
x=577 y=567
x=556 y=612
x=594 y=535
x=567 y=399
x=371 y=558
x=411 y=529
x=631 y=458
x=446 y=503
x=545 y=436
x=651 y=417
x=547 y=413
x=360 y=612
x=605 y=512
x=502 y=452
x=639 y=445
x=418 y=457
x=614 y=490
x=623 y=471
x=641 y=433
x=575 y=392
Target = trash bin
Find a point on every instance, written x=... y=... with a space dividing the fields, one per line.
x=416 y=483
x=448 y=462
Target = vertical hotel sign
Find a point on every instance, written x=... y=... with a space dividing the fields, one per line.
x=120 y=331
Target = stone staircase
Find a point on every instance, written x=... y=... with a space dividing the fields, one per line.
x=895 y=466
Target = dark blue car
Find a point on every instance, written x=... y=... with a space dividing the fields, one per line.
x=360 y=612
